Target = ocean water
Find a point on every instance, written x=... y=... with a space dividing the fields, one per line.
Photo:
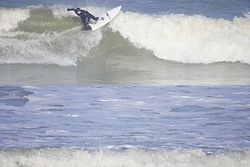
x=166 y=83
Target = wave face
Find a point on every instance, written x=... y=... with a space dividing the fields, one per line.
x=41 y=35
x=131 y=158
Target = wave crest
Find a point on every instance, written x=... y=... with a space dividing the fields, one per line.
x=188 y=39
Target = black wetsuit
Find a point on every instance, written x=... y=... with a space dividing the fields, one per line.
x=85 y=17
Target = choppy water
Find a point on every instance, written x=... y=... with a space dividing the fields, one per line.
x=159 y=117
x=175 y=125
x=166 y=83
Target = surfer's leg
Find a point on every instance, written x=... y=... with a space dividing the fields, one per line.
x=85 y=21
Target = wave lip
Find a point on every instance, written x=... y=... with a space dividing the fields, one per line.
x=188 y=39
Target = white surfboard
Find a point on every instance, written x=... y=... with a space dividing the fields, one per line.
x=105 y=18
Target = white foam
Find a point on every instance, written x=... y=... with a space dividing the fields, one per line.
x=48 y=48
x=187 y=39
x=131 y=158
x=29 y=47
x=9 y=18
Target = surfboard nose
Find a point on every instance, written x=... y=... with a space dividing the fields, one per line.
x=107 y=17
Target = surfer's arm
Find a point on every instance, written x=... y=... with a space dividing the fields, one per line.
x=70 y=9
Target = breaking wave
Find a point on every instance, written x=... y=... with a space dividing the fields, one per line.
x=39 y=35
x=131 y=158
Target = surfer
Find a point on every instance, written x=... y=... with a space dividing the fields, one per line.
x=85 y=17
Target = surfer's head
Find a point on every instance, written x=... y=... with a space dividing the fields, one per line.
x=78 y=10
